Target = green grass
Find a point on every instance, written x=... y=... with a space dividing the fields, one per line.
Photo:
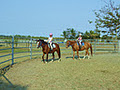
x=101 y=72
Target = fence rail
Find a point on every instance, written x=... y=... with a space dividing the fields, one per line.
x=16 y=48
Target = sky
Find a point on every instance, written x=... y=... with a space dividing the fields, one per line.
x=41 y=17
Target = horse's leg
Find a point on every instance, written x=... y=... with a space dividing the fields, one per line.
x=73 y=54
x=46 y=57
x=88 y=54
x=85 y=54
x=43 y=57
x=59 y=54
x=53 y=56
x=78 y=54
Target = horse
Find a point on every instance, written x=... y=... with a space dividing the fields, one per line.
x=75 y=47
x=46 y=49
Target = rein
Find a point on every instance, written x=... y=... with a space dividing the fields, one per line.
x=41 y=44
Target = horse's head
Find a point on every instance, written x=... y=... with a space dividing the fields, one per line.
x=67 y=44
x=39 y=43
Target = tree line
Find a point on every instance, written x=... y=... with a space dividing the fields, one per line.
x=71 y=33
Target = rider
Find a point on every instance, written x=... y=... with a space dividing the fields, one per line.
x=79 y=39
x=50 y=40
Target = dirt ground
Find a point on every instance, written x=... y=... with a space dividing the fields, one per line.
x=101 y=72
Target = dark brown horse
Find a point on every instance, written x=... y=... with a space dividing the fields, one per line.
x=46 y=50
x=75 y=47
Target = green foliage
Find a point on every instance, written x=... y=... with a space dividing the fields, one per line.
x=70 y=33
x=91 y=35
x=108 y=19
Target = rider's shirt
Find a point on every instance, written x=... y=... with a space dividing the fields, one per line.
x=50 y=39
x=80 y=39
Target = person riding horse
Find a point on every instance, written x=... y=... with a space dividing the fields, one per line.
x=79 y=39
x=75 y=47
x=50 y=41
x=46 y=49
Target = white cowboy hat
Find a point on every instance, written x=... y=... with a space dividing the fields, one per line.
x=80 y=34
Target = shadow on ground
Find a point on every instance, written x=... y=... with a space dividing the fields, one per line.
x=50 y=60
x=76 y=57
x=9 y=86
x=6 y=84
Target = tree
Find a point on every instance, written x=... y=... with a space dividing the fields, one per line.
x=108 y=19
x=64 y=34
x=90 y=35
x=70 y=33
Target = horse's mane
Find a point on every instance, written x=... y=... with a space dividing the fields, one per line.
x=42 y=41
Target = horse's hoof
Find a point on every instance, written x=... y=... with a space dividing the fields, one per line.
x=59 y=59
x=52 y=60
x=46 y=62
x=89 y=58
x=84 y=57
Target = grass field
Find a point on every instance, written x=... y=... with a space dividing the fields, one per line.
x=101 y=72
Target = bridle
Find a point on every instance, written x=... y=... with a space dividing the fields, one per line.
x=40 y=44
x=70 y=44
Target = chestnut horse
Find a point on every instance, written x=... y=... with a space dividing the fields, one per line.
x=75 y=47
x=46 y=50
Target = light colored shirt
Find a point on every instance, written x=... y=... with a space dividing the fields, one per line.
x=80 y=38
x=50 y=39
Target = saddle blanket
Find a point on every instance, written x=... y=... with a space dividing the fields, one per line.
x=82 y=43
x=53 y=45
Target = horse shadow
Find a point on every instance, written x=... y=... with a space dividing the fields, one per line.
x=51 y=60
x=76 y=57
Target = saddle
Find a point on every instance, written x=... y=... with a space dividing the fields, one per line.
x=82 y=44
x=52 y=46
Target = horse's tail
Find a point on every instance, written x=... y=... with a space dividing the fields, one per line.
x=58 y=51
x=91 y=49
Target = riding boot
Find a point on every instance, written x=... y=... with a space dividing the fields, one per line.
x=51 y=47
x=79 y=47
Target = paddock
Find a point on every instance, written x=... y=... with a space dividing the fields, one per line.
x=28 y=72
x=101 y=72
